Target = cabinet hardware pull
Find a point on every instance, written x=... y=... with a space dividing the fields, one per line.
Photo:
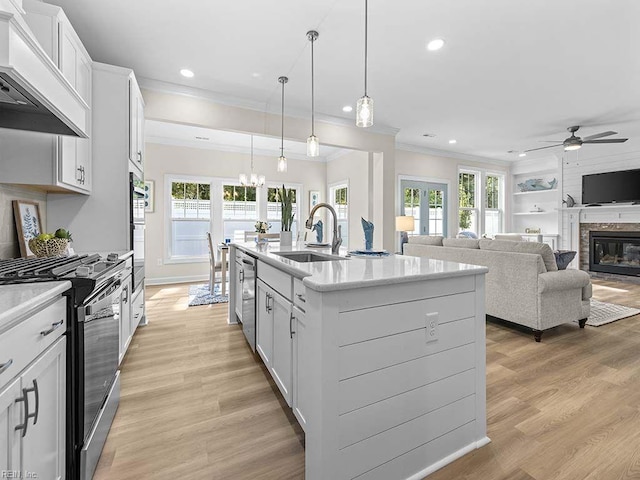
x=269 y=304
x=83 y=175
x=125 y=298
x=54 y=326
x=24 y=398
x=79 y=178
x=139 y=156
x=241 y=276
x=291 y=331
x=301 y=297
x=35 y=389
x=5 y=366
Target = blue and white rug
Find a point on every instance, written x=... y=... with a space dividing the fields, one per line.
x=200 y=295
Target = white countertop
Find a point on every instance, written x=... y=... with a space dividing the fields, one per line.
x=358 y=272
x=18 y=300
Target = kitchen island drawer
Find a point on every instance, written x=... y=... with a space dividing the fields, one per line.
x=276 y=279
x=30 y=338
x=299 y=294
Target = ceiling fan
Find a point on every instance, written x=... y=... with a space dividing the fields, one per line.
x=574 y=143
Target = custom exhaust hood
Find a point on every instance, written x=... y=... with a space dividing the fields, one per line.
x=34 y=95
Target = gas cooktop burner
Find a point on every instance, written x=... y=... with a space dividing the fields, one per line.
x=55 y=268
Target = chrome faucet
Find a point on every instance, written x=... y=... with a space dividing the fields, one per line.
x=337 y=230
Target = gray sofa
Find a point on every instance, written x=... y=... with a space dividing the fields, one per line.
x=523 y=286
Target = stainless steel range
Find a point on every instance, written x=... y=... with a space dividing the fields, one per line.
x=93 y=309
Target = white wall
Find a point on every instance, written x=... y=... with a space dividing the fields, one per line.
x=353 y=168
x=167 y=159
x=446 y=169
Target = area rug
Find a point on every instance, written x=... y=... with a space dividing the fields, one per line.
x=603 y=313
x=200 y=295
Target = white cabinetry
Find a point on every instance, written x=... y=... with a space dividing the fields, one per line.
x=33 y=396
x=136 y=127
x=264 y=322
x=125 y=318
x=301 y=386
x=68 y=159
x=282 y=358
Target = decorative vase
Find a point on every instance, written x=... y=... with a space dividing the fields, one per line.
x=286 y=239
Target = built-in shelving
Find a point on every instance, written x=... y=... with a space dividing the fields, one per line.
x=534 y=213
x=535 y=192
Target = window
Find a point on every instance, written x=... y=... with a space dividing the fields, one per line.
x=239 y=211
x=493 y=204
x=412 y=207
x=339 y=195
x=468 y=212
x=436 y=212
x=274 y=210
x=190 y=219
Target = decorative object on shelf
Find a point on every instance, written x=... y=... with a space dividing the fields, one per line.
x=313 y=145
x=536 y=209
x=368 y=233
x=282 y=160
x=314 y=198
x=537 y=184
x=569 y=202
x=262 y=227
x=317 y=227
x=286 y=208
x=532 y=230
x=255 y=180
x=364 y=109
x=28 y=224
x=404 y=224
x=148 y=196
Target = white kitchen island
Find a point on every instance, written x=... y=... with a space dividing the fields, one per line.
x=381 y=359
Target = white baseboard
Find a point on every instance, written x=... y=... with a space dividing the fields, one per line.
x=169 y=280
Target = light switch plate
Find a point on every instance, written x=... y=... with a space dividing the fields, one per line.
x=431 y=323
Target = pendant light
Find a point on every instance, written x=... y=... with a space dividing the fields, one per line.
x=255 y=180
x=313 y=145
x=364 y=109
x=282 y=160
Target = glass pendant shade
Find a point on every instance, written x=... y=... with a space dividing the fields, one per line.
x=364 y=112
x=313 y=146
x=282 y=163
x=254 y=179
x=261 y=180
x=243 y=179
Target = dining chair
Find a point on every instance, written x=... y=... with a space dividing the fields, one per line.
x=215 y=266
x=269 y=237
x=248 y=235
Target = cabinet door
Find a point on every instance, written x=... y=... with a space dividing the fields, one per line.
x=68 y=170
x=43 y=446
x=11 y=415
x=125 y=318
x=282 y=356
x=68 y=53
x=136 y=125
x=238 y=288
x=301 y=387
x=140 y=130
x=264 y=322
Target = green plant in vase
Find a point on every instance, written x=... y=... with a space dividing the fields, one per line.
x=287 y=197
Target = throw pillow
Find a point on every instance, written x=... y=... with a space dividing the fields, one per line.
x=460 y=243
x=563 y=258
x=541 y=249
x=426 y=240
x=467 y=234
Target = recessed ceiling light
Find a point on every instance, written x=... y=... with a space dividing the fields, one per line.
x=429 y=135
x=256 y=75
x=522 y=154
x=347 y=108
x=202 y=138
x=435 y=44
x=185 y=72
x=452 y=141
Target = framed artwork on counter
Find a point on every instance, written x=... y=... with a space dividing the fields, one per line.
x=314 y=198
x=28 y=224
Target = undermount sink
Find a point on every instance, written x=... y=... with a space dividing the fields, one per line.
x=306 y=257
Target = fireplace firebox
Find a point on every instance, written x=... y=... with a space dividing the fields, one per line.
x=615 y=252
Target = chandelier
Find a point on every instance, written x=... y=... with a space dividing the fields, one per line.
x=254 y=180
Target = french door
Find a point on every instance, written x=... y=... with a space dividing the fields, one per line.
x=428 y=203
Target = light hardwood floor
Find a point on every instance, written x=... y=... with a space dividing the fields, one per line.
x=196 y=404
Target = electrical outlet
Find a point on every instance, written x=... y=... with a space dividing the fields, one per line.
x=431 y=322
x=159 y=262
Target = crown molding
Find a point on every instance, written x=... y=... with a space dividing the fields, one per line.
x=205 y=145
x=446 y=153
x=262 y=107
x=339 y=154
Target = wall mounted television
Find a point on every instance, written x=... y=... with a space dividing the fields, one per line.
x=611 y=187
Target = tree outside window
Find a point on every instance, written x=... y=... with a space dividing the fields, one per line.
x=467 y=201
x=190 y=219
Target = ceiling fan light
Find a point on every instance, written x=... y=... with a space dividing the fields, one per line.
x=364 y=112
x=572 y=146
x=282 y=164
x=313 y=146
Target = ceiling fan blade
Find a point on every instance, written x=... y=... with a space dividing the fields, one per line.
x=542 y=148
x=551 y=141
x=611 y=140
x=599 y=135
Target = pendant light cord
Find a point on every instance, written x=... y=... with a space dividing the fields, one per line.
x=312 y=91
x=366 y=28
x=282 y=125
x=251 y=154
